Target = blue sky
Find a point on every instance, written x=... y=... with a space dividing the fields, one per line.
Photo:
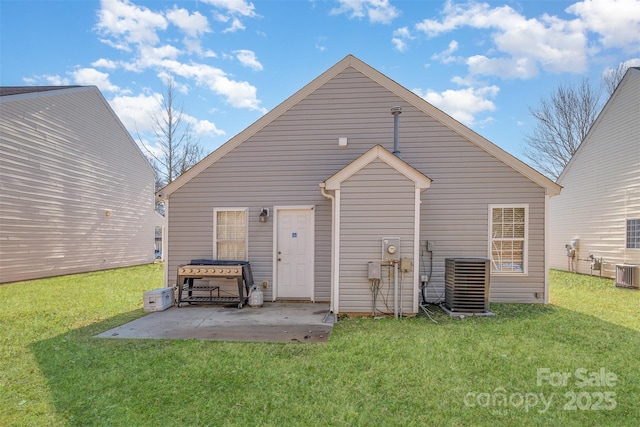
x=484 y=63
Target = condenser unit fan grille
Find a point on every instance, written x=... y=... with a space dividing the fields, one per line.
x=467 y=284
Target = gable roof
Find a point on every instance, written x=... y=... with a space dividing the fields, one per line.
x=378 y=152
x=18 y=90
x=389 y=84
x=632 y=72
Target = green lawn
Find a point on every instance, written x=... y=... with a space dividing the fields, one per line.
x=574 y=362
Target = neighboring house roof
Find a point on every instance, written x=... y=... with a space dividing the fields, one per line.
x=378 y=152
x=632 y=72
x=19 y=90
x=408 y=96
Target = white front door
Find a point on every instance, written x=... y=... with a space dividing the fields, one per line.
x=294 y=250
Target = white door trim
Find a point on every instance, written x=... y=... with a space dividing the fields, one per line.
x=276 y=212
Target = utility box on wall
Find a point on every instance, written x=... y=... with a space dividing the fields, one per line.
x=374 y=270
x=391 y=248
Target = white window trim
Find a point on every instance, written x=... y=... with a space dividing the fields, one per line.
x=215 y=229
x=525 y=247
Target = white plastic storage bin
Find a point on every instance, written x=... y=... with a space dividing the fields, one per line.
x=158 y=299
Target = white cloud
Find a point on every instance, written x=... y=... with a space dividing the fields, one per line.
x=47 y=80
x=508 y=68
x=232 y=11
x=236 y=25
x=93 y=77
x=554 y=44
x=105 y=63
x=128 y=24
x=378 y=11
x=321 y=44
x=150 y=56
x=236 y=7
x=617 y=22
x=168 y=79
x=137 y=29
x=463 y=104
x=399 y=44
x=203 y=128
x=400 y=37
x=193 y=25
x=237 y=93
x=248 y=59
x=136 y=112
x=445 y=56
x=192 y=45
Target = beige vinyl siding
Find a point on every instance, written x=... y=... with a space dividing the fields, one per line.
x=454 y=216
x=66 y=160
x=283 y=163
x=602 y=187
x=376 y=202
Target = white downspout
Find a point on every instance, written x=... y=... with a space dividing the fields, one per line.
x=165 y=242
x=333 y=263
x=546 y=248
x=395 y=289
x=416 y=250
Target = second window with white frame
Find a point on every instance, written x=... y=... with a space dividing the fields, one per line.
x=508 y=229
x=230 y=233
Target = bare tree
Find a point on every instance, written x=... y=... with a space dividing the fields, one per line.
x=563 y=121
x=613 y=77
x=175 y=149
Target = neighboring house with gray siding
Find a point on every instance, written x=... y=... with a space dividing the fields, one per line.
x=76 y=192
x=321 y=163
x=600 y=202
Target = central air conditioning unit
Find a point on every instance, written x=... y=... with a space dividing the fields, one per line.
x=628 y=276
x=467 y=285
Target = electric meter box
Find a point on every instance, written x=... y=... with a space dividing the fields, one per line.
x=391 y=248
x=158 y=299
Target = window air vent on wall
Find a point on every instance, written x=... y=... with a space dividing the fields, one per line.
x=467 y=284
x=628 y=276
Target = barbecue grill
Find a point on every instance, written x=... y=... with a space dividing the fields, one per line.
x=209 y=293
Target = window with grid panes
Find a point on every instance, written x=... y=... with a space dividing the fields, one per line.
x=633 y=234
x=508 y=239
x=230 y=234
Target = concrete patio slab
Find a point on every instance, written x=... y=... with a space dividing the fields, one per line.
x=273 y=322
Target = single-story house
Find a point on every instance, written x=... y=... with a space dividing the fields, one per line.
x=355 y=169
x=598 y=214
x=77 y=192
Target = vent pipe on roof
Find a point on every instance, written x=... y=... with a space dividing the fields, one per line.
x=396 y=111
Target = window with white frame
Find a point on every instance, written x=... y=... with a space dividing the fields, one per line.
x=508 y=229
x=230 y=233
x=633 y=234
